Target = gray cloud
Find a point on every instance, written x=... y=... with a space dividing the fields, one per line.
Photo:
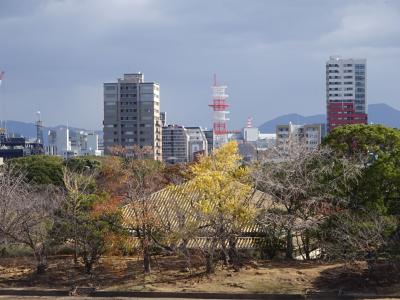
x=271 y=54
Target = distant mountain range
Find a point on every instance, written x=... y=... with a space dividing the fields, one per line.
x=28 y=130
x=377 y=114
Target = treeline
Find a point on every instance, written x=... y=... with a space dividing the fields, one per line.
x=339 y=202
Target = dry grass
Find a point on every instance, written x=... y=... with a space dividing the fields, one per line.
x=118 y=273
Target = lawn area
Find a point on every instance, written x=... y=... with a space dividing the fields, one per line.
x=168 y=274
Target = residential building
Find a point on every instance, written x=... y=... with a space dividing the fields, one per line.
x=346 y=100
x=175 y=144
x=309 y=134
x=197 y=142
x=132 y=114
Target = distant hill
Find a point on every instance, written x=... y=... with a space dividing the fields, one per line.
x=377 y=114
x=269 y=127
x=28 y=130
x=384 y=114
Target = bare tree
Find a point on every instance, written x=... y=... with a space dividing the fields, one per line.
x=306 y=185
x=354 y=236
x=27 y=214
x=12 y=186
x=143 y=177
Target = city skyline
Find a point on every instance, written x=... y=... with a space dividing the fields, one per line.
x=271 y=55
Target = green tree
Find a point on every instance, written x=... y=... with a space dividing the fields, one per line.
x=83 y=163
x=40 y=169
x=97 y=220
x=379 y=147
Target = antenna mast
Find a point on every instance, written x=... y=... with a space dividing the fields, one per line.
x=220 y=119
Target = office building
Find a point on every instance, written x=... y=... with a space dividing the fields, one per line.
x=250 y=134
x=69 y=143
x=346 y=100
x=175 y=144
x=58 y=141
x=132 y=114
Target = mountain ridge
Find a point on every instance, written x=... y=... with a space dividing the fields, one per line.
x=378 y=113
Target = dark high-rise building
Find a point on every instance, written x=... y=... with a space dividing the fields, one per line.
x=132 y=114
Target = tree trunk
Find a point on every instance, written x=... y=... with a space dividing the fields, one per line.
x=210 y=262
x=146 y=260
x=186 y=253
x=88 y=267
x=306 y=245
x=233 y=254
x=289 y=244
x=41 y=265
x=75 y=241
x=225 y=255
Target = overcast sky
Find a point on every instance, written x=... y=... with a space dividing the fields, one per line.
x=271 y=54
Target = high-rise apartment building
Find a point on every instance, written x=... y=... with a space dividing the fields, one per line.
x=175 y=144
x=346 y=92
x=132 y=114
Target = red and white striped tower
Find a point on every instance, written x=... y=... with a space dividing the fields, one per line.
x=249 y=123
x=219 y=106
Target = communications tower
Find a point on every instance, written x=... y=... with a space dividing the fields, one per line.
x=219 y=106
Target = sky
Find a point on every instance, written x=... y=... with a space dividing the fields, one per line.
x=270 y=54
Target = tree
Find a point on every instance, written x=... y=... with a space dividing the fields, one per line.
x=304 y=187
x=27 y=214
x=379 y=185
x=40 y=169
x=97 y=219
x=224 y=192
x=83 y=163
x=142 y=178
x=78 y=186
x=354 y=236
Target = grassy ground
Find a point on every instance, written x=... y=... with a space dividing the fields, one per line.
x=116 y=273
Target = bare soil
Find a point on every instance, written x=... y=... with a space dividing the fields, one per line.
x=169 y=274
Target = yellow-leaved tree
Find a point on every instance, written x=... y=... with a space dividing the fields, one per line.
x=223 y=188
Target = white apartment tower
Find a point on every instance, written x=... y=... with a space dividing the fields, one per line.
x=346 y=100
